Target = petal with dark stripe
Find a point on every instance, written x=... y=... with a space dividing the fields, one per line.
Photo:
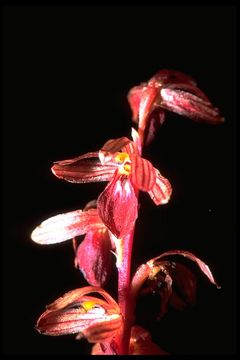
x=161 y=191
x=203 y=267
x=66 y=226
x=193 y=89
x=83 y=169
x=117 y=206
x=77 y=294
x=143 y=174
x=130 y=148
x=114 y=145
x=190 y=105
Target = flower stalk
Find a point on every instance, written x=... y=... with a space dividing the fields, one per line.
x=124 y=295
x=125 y=300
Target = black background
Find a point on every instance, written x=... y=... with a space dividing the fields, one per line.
x=67 y=71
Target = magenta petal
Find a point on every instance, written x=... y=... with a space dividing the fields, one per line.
x=143 y=174
x=83 y=169
x=94 y=257
x=117 y=206
x=66 y=226
x=190 y=105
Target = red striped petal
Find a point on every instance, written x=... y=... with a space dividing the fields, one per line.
x=66 y=226
x=204 y=267
x=75 y=312
x=90 y=155
x=77 y=294
x=103 y=330
x=118 y=205
x=193 y=89
x=95 y=324
x=172 y=79
x=190 y=105
x=143 y=174
x=96 y=266
x=83 y=169
x=161 y=191
x=115 y=145
x=130 y=148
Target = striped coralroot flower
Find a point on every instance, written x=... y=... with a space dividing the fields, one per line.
x=174 y=282
x=119 y=162
x=78 y=313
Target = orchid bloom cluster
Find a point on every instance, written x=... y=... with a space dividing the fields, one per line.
x=108 y=223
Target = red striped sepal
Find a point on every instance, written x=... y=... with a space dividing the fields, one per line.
x=66 y=226
x=83 y=169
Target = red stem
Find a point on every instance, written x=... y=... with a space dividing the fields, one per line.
x=124 y=299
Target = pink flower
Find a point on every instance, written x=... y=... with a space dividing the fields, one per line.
x=173 y=281
x=169 y=90
x=76 y=312
x=96 y=266
x=120 y=163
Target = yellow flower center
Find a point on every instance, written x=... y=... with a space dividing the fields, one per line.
x=88 y=305
x=124 y=160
